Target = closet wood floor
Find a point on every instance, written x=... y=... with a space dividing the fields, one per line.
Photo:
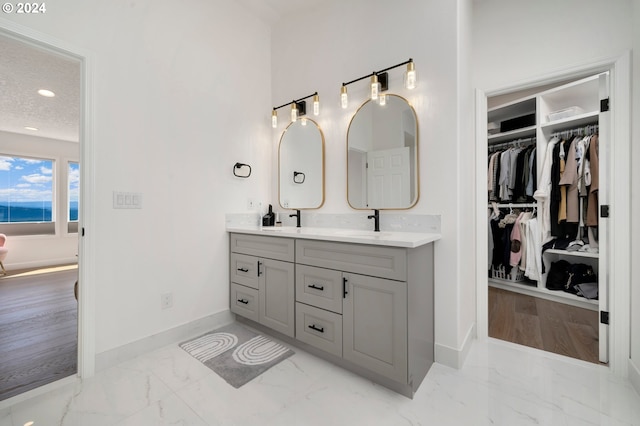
x=38 y=330
x=543 y=324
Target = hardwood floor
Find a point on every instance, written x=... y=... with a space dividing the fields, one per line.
x=543 y=324
x=38 y=330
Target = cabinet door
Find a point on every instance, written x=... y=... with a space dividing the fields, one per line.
x=277 y=295
x=375 y=325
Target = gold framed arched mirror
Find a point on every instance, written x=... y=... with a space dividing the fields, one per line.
x=382 y=156
x=301 y=166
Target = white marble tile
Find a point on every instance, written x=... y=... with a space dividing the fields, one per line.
x=500 y=384
x=170 y=410
x=175 y=367
x=110 y=396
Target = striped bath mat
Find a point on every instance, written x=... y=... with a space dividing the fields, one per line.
x=236 y=353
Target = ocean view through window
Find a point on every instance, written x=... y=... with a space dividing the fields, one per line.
x=26 y=190
x=73 y=189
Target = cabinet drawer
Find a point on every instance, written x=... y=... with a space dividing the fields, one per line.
x=244 y=270
x=319 y=328
x=384 y=262
x=244 y=301
x=319 y=287
x=269 y=247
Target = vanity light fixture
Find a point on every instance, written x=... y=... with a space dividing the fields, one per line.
x=298 y=108
x=382 y=99
x=410 y=77
x=344 y=98
x=379 y=82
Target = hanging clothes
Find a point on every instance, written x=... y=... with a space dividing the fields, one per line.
x=592 y=201
x=543 y=193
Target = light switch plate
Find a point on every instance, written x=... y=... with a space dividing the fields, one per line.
x=127 y=200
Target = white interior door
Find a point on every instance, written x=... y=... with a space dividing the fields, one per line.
x=388 y=178
x=604 y=122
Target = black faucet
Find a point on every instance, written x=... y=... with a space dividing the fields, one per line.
x=376 y=220
x=297 y=216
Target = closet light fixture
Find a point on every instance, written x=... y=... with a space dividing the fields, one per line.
x=380 y=82
x=46 y=93
x=298 y=108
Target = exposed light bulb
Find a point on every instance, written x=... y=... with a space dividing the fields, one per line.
x=410 y=77
x=344 y=98
x=303 y=121
x=382 y=99
x=274 y=119
x=294 y=112
x=316 y=104
x=375 y=87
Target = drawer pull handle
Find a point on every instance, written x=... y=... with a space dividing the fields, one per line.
x=316 y=328
x=316 y=287
x=344 y=288
x=243 y=269
x=259 y=263
x=244 y=301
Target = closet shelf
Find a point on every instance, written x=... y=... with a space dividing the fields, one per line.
x=573 y=253
x=554 y=296
x=513 y=134
x=571 y=122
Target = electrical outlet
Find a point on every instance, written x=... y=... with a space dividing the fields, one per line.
x=166 y=300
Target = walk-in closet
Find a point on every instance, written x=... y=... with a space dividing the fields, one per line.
x=547 y=216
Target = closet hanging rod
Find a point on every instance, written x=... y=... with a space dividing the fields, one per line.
x=514 y=205
x=578 y=131
x=513 y=142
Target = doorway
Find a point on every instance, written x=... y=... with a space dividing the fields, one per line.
x=72 y=230
x=617 y=269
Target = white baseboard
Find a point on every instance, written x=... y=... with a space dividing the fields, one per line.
x=452 y=357
x=634 y=375
x=187 y=331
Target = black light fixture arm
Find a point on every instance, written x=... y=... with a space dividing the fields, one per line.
x=378 y=72
x=296 y=101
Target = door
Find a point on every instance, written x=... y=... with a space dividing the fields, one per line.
x=388 y=178
x=604 y=122
x=375 y=324
x=277 y=295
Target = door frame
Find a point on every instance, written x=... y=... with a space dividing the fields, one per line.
x=619 y=273
x=86 y=219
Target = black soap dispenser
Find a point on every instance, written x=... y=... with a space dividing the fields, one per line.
x=269 y=219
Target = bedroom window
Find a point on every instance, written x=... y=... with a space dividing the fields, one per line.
x=26 y=190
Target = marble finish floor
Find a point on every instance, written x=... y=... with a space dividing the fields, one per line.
x=500 y=384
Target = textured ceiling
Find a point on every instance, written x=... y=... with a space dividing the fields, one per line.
x=24 y=69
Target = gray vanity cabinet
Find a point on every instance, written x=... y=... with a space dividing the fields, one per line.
x=374 y=321
x=262 y=281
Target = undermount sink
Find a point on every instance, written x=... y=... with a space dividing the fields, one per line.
x=362 y=233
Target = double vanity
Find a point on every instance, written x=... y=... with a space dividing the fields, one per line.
x=360 y=299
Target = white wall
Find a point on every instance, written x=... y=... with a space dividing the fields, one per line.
x=37 y=250
x=343 y=40
x=635 y=201
x=181 y=93
x=517 y=41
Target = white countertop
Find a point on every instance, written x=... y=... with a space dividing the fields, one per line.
x=383 y=238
